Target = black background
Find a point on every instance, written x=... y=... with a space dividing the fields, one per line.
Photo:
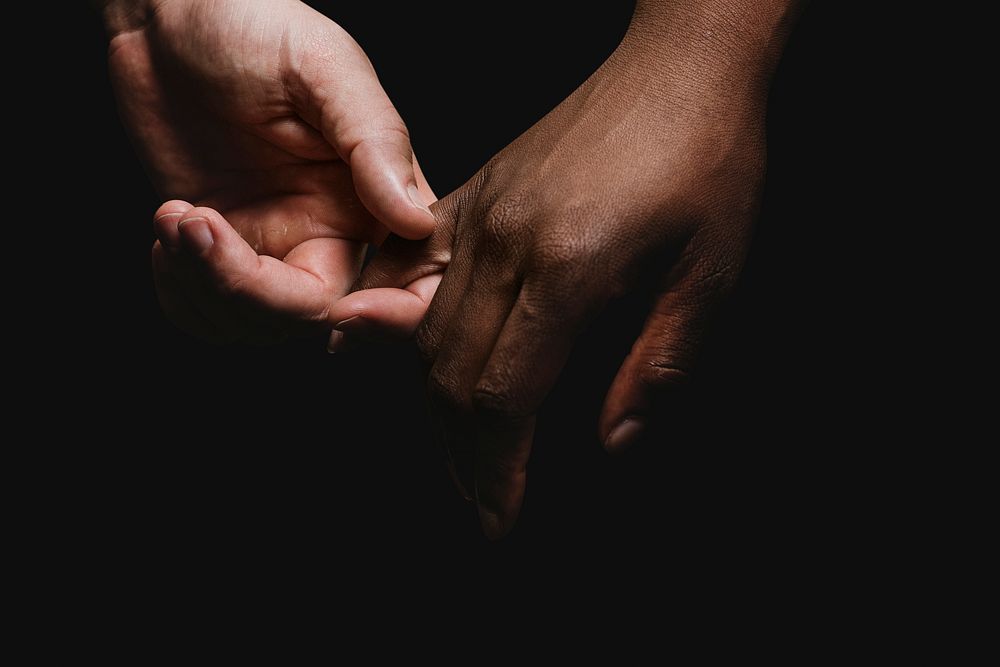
x=295 y=452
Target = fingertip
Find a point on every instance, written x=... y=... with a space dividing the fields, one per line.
x=425 y=288
x=386 y=311
x=173 y=206
x=335 y=342
x=195 y=235
x=425 y=219
x=386 y=184
x=408 y=217
x=202 y=228
x=165 y=223
x=340 y=341
x=165 y=229
x=352 y=305
x=502 y=451
x=494 y=527
x=624 y=435
x=498 y=504
x=206 y=212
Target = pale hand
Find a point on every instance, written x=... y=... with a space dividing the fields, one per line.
x=269 y=118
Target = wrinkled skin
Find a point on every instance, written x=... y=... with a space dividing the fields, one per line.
x=266 y=125
x=648 y=176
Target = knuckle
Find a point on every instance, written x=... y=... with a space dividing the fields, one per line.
x=499 y=226
x=564 y=253
x=569 y=258
x=563 y=288
x=393 y=128
x=388 y=130
x=663 y=374
x=505 y=217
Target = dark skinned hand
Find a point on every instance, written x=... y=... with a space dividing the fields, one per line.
x=648 y=176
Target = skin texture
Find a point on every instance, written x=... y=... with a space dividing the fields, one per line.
x=265 y=125
x=648 y=176
x=269 y=118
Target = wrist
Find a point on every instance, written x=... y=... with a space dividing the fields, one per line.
x=713 y=56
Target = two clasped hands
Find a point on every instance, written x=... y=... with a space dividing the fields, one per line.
x=265 y=125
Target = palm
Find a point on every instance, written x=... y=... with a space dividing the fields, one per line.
x=216 y=130
x=266 y=117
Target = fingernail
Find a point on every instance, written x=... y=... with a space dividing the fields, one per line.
x=492 y=525
x=168 y=239
x=417 y=199
x=346 y=325
x=196 y=234
x=625 y=434
x=336 y=341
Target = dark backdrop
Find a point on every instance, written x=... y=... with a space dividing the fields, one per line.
x=290 y=450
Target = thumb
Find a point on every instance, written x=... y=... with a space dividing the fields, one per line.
x=343 y=95
x=661 y=359
x=396 y=288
